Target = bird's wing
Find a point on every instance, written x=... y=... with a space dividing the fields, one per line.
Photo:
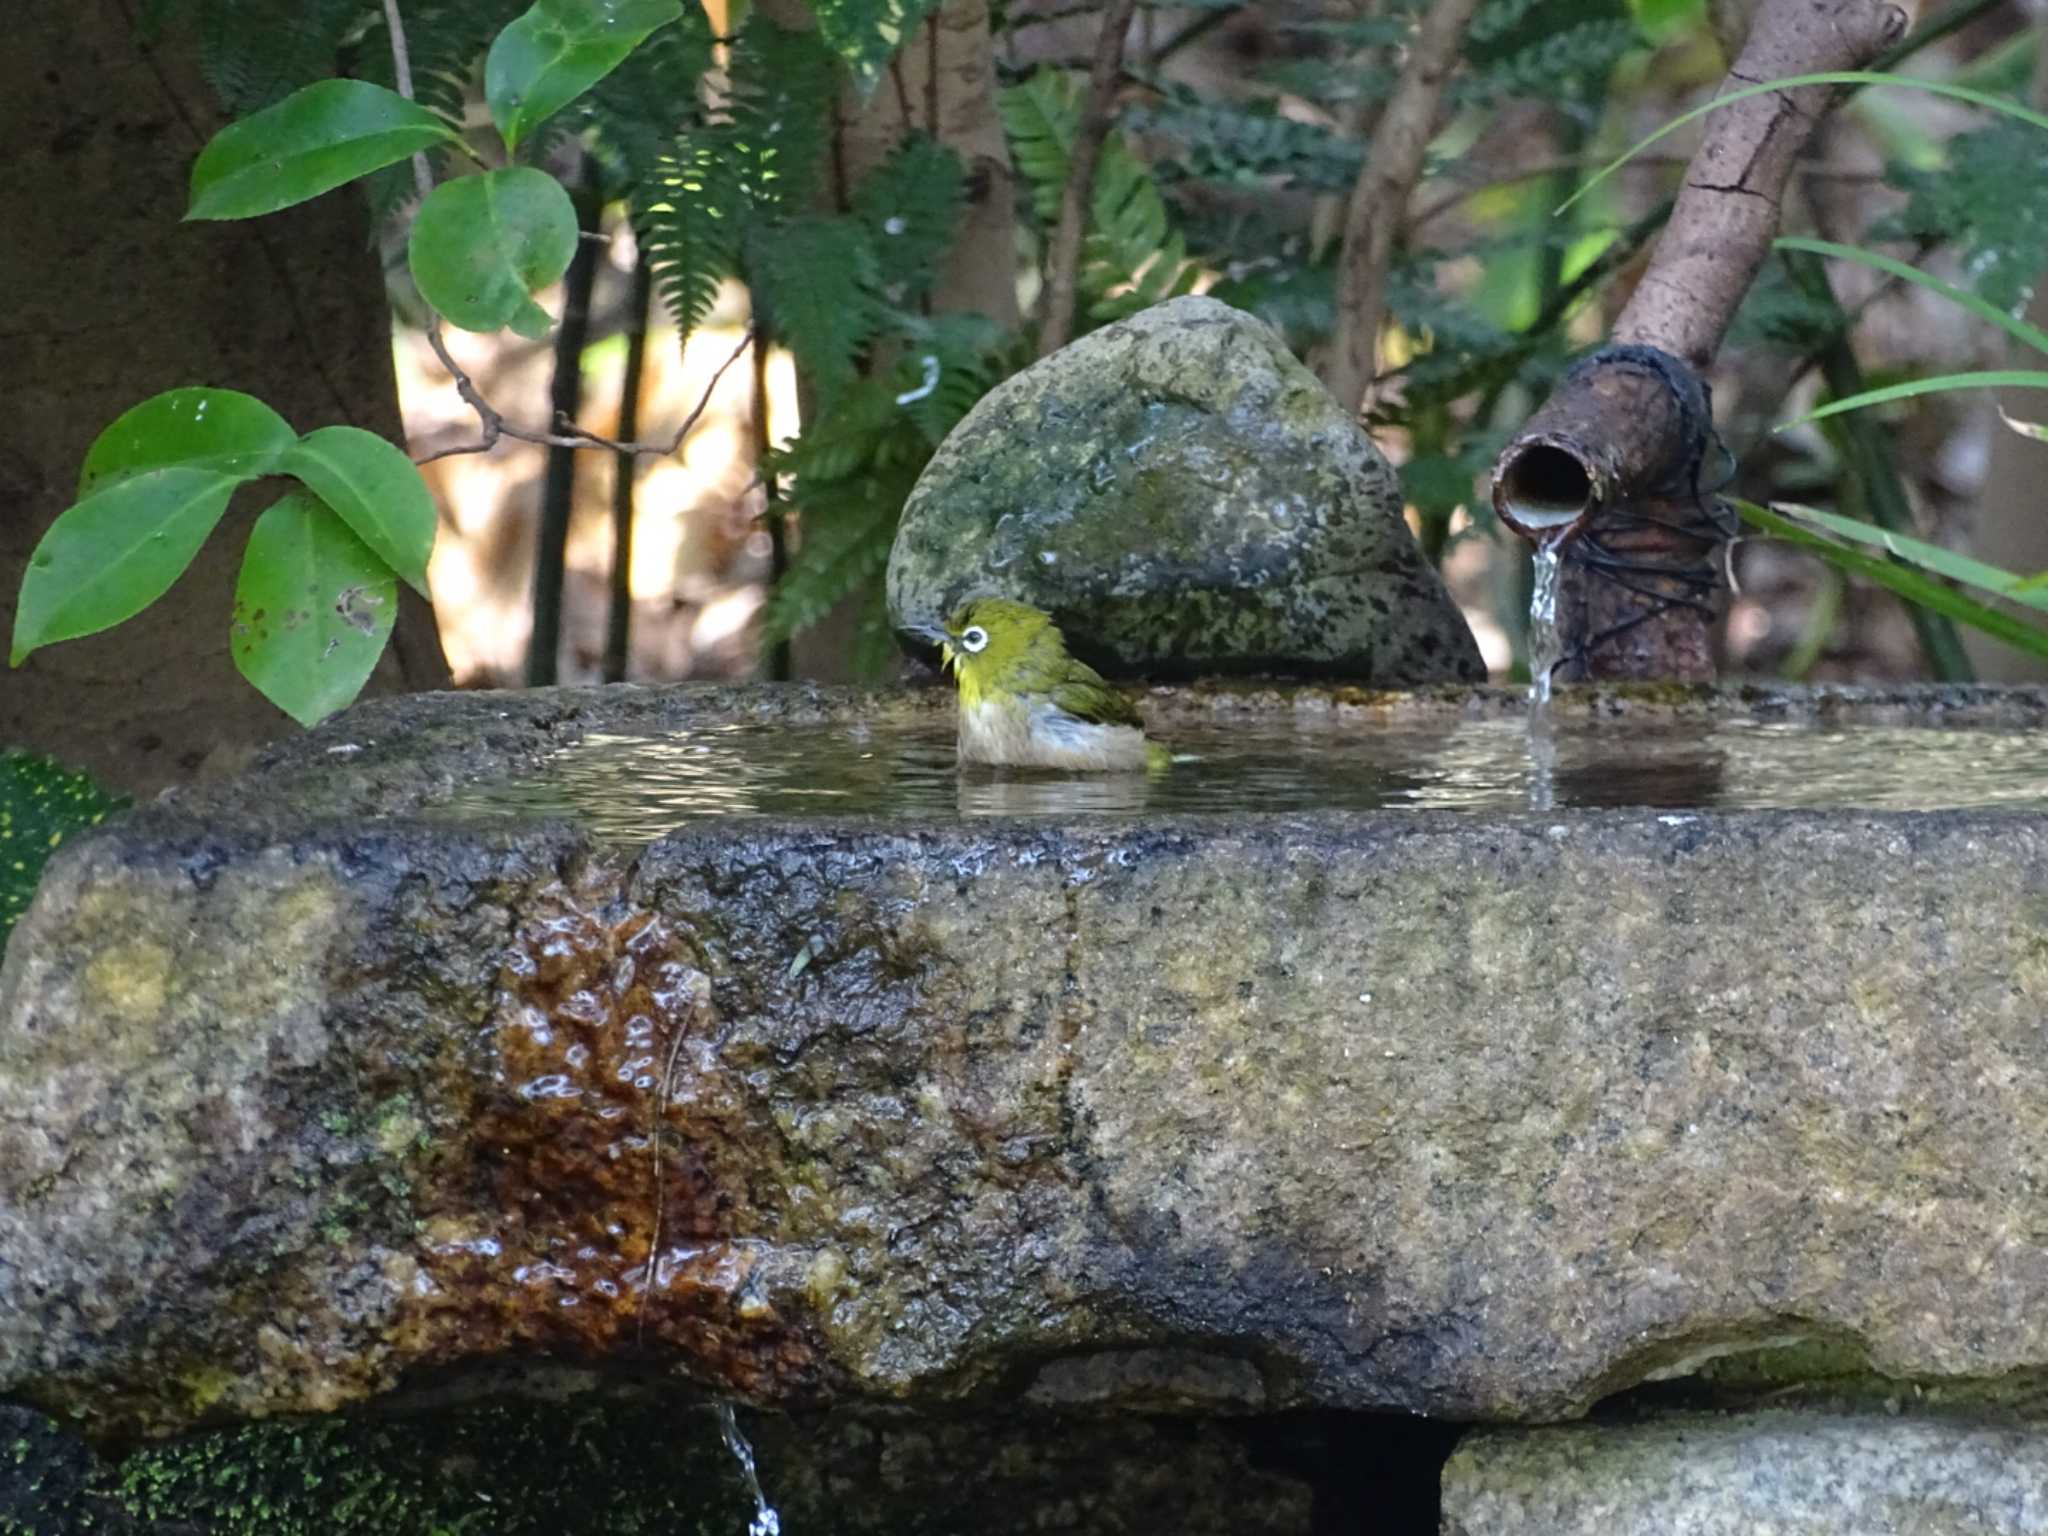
x=1085 y=696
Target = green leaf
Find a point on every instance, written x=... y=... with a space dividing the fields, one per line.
x=2038 y=431
x=376 y=490
x=1904 y=580
x=482 y=245
x=1941 y=384
x=1929 y=557
x=867 y=33
x=2033 y=336
x=313 y=609
x=313 y=141
x=218 y=429
x=111 y=555
x=1831 y=77
x=557 y=51
x=41 y=803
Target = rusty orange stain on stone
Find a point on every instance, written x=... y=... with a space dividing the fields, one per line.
x=547 y=1240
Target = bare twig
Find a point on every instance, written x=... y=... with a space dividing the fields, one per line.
x=401 y=73
x=1077 y=196
x=566 y=434
x=1379 y=201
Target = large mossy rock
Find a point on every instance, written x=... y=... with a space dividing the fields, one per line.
x=1185 y=498
x=307 y=1096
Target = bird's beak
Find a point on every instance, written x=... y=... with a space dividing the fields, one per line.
x=930 y=634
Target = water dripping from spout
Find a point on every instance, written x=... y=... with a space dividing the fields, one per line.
x=766 y=1521
x=1546 y=649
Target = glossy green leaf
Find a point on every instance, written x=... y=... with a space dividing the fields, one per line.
x=557 y=51
x=313 y=141
x=482 y=245
x=313 y=609
x=867 y=33
x=111 y=555
x=1912 y=585
x=376 y=490
x=2003 y=104
x=1929 y=557
x=218 y=429
x=2018 y=329
x=2004 y=378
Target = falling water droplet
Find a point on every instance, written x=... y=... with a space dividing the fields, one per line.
x=766 y=1521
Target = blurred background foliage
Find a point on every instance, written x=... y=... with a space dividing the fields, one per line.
x=804 y=172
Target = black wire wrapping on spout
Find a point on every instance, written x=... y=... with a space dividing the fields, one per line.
x=1710 y=520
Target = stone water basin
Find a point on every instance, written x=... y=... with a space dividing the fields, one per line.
x=1380 y=1059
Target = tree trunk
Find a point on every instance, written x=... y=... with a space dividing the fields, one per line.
x=110 y=300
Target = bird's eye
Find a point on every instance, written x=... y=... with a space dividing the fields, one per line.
x=973 y=638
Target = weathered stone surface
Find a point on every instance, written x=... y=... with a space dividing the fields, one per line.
x=1185 y=498
x=1785 y=1474
x=640 y=1464
x=1480 y=1117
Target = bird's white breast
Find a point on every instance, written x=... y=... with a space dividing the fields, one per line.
x=1035 y=733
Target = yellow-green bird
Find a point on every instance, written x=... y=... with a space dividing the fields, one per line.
x=1025 y=703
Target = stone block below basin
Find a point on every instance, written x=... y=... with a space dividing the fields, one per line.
x=1786 y=1474
x=308 y=1096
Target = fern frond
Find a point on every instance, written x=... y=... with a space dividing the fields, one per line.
x=846 y=533
x=817 y=283
x=1040 y=118
x=1991 y=200
x=777 y=116
x=1246 y=143
x=641 y=108
x=911 y=205
x=688 y=216
x=1567 y=63
x=256 y=52
x=1131 y=256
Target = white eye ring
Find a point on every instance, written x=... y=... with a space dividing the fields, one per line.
x=974 y=639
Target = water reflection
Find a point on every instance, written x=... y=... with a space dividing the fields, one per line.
x=630 y=789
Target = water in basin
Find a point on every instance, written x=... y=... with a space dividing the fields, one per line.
x=627 y=790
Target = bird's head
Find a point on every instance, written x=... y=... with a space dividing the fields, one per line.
x=997 y=646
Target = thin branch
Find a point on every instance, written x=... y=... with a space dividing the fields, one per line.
x=1380 y=199
x=401 y=74
x=567 y=433
x=1077 y=196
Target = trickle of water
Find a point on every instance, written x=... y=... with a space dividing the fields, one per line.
x=766 y=1521
x=1546 y=650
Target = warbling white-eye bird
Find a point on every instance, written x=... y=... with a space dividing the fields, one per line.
x=1025 y=703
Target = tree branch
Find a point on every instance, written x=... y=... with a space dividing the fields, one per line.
x=567 y=433
x=1379 y=202
x=1613 y=460
x=1077 y=195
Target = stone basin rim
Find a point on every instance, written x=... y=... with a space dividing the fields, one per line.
x=392 y=759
